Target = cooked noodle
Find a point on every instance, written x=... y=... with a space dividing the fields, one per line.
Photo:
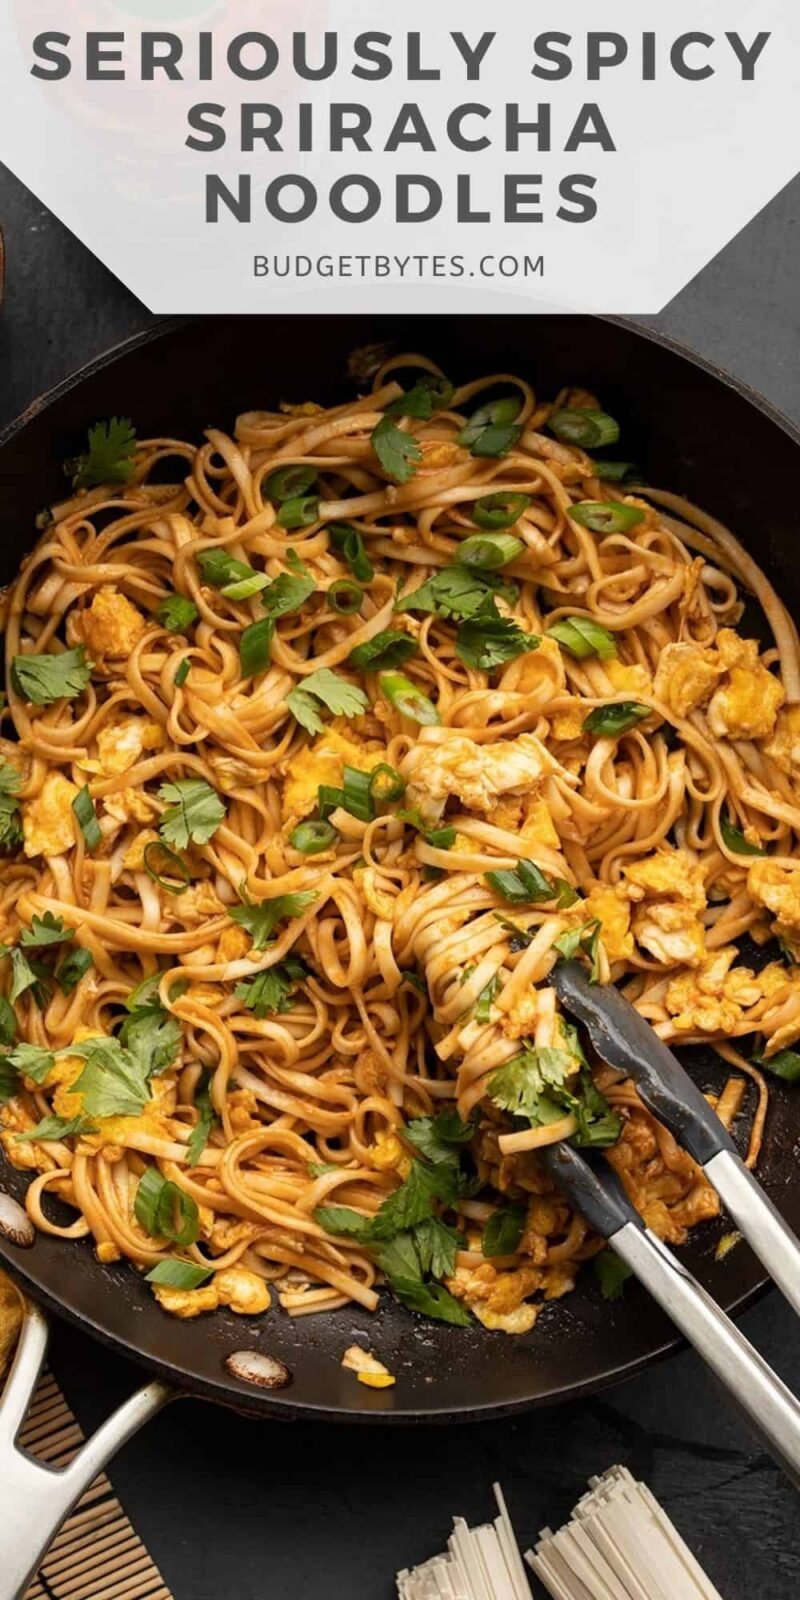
x=419 y=979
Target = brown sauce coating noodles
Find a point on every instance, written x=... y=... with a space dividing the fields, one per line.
x=396 y=979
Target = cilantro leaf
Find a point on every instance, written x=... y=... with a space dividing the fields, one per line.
x=522 y=1085
x=199 y=1136
x=32 y=1062
x=431 y=1300
x=261 y=920
x=110 y=457
x=612 y=1274
x=10 y=821
x=58 y=1128
x=339 y=696
x=398 y=453
x=439 y=1138
x=583 y=940
x=287 y=593
x=344 y=1221
x=41 y=680
x=74 y=966
x=271 y=991
x=412 y=1202
x=113 y=1082
x=24 y=976
x=486 y=640
x=8 y=1080
x=45 y=930
x=437 y=1245
x=503 y=1231
x=152 y=1036
x=453 y=592
x=8 y=1022
x=194 y=815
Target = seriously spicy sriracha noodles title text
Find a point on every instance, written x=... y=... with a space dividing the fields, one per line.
x=292 y=126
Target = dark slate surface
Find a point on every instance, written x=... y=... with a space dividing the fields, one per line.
x=234 y=1510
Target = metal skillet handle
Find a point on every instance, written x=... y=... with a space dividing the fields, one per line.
x=769 y=1407
x=38 y=1498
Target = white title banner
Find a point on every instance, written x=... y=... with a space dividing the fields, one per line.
x=276 y=155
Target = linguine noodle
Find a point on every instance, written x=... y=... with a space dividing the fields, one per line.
x=403 y=980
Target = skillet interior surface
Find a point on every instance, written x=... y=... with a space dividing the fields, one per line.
x=695 y=432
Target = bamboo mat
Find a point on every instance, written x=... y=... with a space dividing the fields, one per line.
x=97 y=1555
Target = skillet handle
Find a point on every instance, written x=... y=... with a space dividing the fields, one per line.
x=38 y=1498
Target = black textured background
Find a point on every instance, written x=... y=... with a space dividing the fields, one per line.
x=234 y=1510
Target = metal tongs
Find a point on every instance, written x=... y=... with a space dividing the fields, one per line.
x=624 y=1039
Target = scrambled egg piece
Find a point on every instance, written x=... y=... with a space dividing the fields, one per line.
x=539 y=828
x=777 y=888
x=475 y=773
x=635 y=679
x=322 y=762
x=245 y=1292
x=520 y=1021
x=388 y=1154
x=686 y=675
x=133 y=858
x=130 y=805
x=784 y=746
x=747 y=705
x=667 y=925
x=497 y=1298
x=611 y=908
x=120 y=744
x=10 y=1320
x=110 y=627
x=567 y=725
x=669 y=871
x=367 y=1368
x=711 y=999
x=48 y=823
x=233 y=943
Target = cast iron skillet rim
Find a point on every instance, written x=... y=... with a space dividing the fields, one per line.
x=166 y=325
x=227 y=1390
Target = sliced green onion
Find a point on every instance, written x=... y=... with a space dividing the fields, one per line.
x=164 y=1210
x=245 y=588
x=615 y=471
x=736 y=841
x=177 y=879
x=176 y=613
x=299 y=512
x=83 y=807
x=345 y=596
x=219 y=568
x=408 y=699
x=616 y=718
x=583 y=426
x=495 y=413
x=172 y=1273
x=497 y=511
x=521 y=885
x=254 y=647
x=583 y=637
x=385 y=784
x=439 y=838
x=349 y=543
x=313 y=836
x=286 y=483
x=356 y=791
x=329 y=799
x=606 y=516
x=487 y=552
x=182 y=673
x=784 y=1064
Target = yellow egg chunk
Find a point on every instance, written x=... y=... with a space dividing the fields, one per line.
x=322 y=763
x=48 y=821
x=111 y=625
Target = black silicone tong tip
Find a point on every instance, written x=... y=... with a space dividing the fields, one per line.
x=625 y=1040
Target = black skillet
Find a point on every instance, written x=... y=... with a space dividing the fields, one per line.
x=694 y=431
